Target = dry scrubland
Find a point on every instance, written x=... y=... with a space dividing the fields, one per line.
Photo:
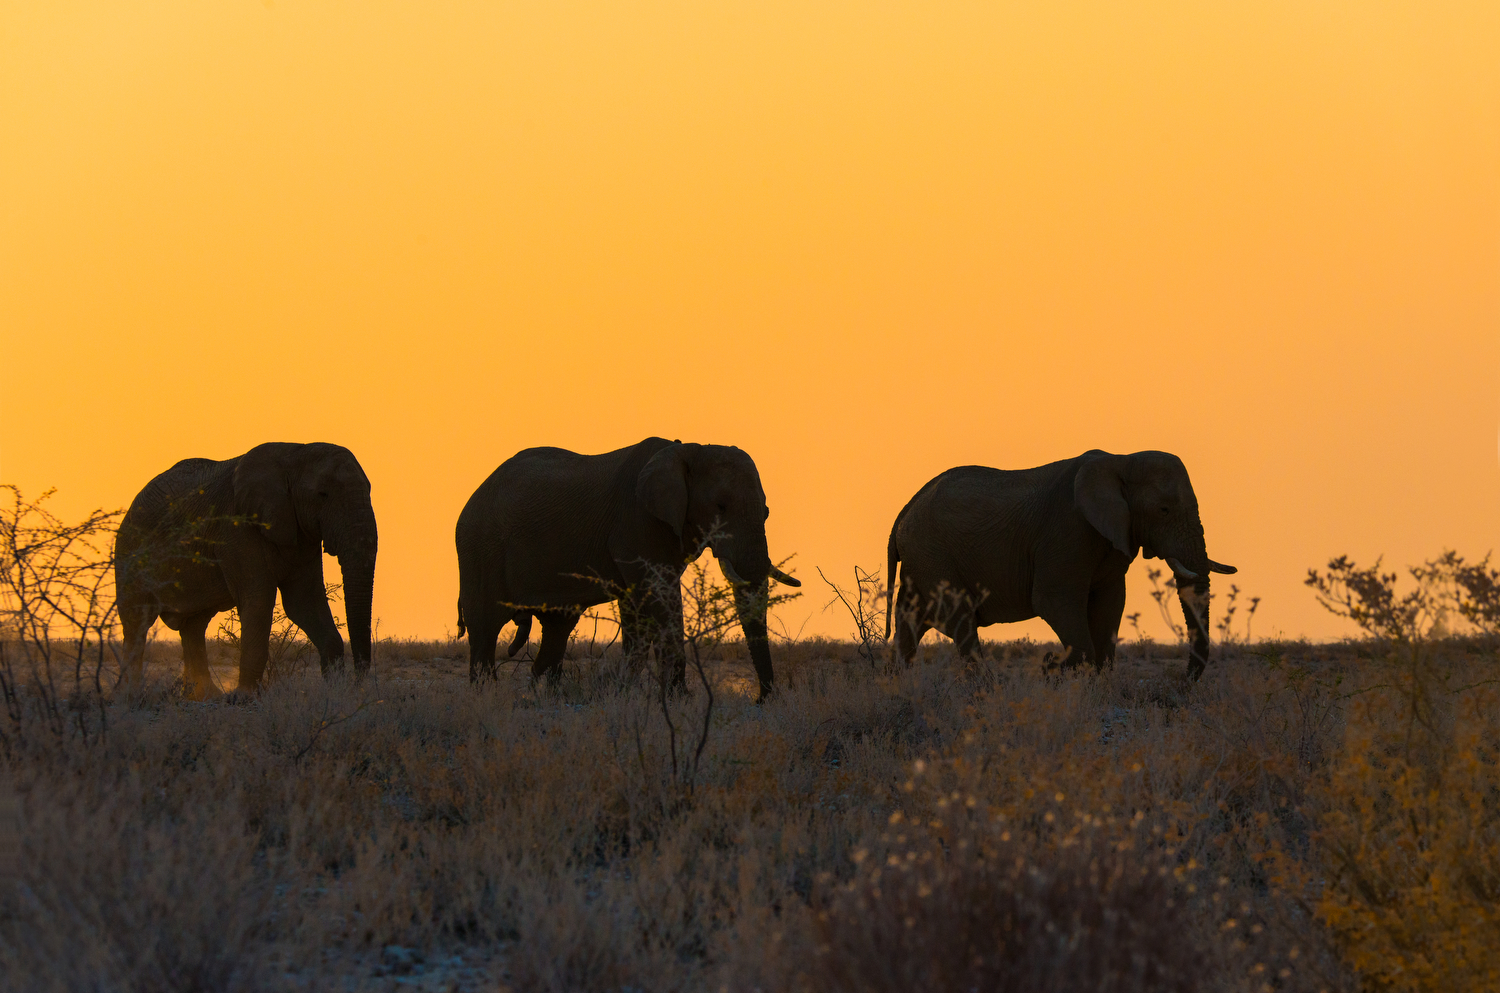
x=1304 y=818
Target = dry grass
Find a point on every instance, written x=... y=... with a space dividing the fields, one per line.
x=946 y=827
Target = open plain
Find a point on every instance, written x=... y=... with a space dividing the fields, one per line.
x=1289 y=822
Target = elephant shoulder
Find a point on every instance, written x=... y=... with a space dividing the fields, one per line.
x=188 y=468
x=181 y=477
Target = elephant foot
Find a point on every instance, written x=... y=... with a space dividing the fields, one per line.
x=237 y=697
x=201 y=690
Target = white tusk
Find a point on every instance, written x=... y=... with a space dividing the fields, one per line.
x=729 y=572
x=783 y=578
x=1181 y=571
x=1220 y=567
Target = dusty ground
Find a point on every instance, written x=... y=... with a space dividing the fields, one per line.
x=414 y=832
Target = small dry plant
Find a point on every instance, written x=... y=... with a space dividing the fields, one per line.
x=1306 y=817
x=866 y=603
x=59 y=645
x=1404 y=868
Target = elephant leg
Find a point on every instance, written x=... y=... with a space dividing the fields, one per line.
x=557 y=626
x=485 y=615
x=305 y=601
x=635 y=640
x=963 y=628
x=654 y=613
x=1068 y=615
x=255 y=635
x=522 y=635
x=483 y=635
x=136 y=622
x=197 y=681
x=1106 y=607
x=911 y=622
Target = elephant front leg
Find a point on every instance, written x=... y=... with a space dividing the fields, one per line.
x=305 y=600
x=634 y=641
x=255 y=637
x=1068 y=615
x=1106 y=607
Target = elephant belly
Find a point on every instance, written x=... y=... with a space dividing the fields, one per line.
x=187 y=592
x=1004 y=610
x=553 y=587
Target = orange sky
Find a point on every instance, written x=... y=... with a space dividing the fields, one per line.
x=864 y=241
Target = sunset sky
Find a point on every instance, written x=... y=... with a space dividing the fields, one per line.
x=864 y=241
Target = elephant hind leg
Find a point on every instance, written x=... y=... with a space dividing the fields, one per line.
x=197 y=682
x=485 y=613
x=557 y=626
x=523 y=634
x=963 y=628
x=483 y=634
x=136 y=622
x=911 y=621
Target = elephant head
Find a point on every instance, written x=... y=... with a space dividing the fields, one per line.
x=1145 y=502
x=317 y=493
x=711 y=497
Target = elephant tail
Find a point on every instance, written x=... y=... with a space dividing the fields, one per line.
x=461 y=627
x=523 y=634
x=892 y=560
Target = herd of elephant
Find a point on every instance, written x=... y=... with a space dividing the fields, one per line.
x=552 y=533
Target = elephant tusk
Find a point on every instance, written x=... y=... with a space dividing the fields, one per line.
x=1227 y=570
x=730 y=574
x=1181 y=571
x=783 y=578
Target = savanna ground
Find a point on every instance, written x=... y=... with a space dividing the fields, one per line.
x=1292 y=821
x=1304 y=817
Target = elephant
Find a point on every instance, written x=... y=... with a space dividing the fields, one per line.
x=207 y=536
x=980 y=546
x=551 y=533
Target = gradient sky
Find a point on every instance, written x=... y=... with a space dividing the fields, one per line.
x=864 y=241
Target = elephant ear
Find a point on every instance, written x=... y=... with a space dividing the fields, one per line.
x=263 y=492
x=662 y=489
x=1099 y=494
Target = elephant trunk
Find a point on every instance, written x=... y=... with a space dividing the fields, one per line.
x=747 y=565
x=1193 y=596
x=358 y=565
x=1191 y=566
x=750 y=603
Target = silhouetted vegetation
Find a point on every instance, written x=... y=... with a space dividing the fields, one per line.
x=1306 y=817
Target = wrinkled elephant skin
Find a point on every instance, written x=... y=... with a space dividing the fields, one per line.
x=551 y=533
x=206 y=536
x=980 y=546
